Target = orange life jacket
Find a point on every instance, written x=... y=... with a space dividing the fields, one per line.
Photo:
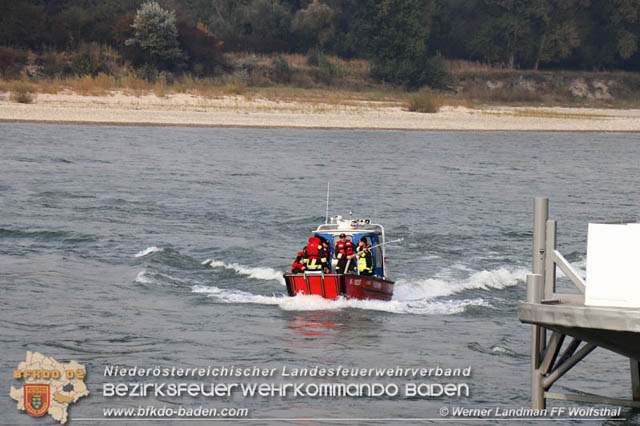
x=313 y=248
x=344 y=249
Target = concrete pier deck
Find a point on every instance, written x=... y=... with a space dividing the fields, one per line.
x=616 y=329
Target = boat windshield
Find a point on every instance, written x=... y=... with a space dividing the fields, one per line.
x=377 y=255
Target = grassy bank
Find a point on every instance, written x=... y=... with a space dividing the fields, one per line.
x=329 y=80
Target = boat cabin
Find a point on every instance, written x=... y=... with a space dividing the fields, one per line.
x=355 y=229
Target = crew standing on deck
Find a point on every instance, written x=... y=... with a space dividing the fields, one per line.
x=344 y=251
x=315 y=257
x=365 y=258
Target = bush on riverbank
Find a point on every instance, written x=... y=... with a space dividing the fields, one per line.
x=21 y=93
x=425 y=102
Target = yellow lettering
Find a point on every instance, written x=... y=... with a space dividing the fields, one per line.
x=48 y=374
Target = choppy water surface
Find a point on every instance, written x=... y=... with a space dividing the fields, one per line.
x=104 y=231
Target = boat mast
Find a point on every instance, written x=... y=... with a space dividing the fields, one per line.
x=326 y=216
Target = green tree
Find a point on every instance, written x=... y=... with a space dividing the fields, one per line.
x=394 y=34
x=508 y=33
x=611 y=30
x=450 y=27
x=559 y=28
x=21 y=24
x=515 y=33
x=314 y=25
x=623 y=24
x=267 y=18
x=156 y=36
x=227 y=18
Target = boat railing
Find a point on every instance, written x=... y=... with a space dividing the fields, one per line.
x=372 y=227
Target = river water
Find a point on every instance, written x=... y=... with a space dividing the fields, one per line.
x=104 y=231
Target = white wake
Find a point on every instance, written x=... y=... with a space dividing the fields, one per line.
x=148 y=250
x=258 y=272
x=430 y=288
x=420 y=297
x=317 y=303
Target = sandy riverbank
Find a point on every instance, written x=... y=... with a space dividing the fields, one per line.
x=192 y=110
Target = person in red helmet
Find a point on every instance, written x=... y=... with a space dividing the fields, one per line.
x=315 y=258
x=344 y=251
x=297 y=267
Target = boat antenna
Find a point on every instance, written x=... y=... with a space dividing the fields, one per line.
x=326 y=216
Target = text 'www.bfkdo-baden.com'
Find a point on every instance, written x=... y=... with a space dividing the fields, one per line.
x=150 y=411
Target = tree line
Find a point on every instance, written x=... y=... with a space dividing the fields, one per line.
x=405 y=39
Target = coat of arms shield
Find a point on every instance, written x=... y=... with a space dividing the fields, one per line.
x=36 y=399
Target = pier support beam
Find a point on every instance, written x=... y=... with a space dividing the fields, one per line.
x=535 y=291
x=635 y=379
x=560 y=370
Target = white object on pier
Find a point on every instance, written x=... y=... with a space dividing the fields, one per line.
x=613 y=265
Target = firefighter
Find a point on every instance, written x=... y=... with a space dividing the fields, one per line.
x=327 y=252
x=344 y=251
x=315 y=258
x=365 y=258
x=297 y=267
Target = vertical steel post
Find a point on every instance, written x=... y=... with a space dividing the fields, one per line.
x=549 y=261
x=540 y=217
x=635 y=379
x=535 y=291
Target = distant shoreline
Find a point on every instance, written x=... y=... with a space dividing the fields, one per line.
x=187 y=110
x=266 y=127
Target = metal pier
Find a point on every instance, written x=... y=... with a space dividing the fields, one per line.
x=565 y=331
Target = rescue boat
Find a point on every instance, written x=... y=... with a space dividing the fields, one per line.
x=350 y=285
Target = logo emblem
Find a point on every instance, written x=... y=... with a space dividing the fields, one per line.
x=36 y=399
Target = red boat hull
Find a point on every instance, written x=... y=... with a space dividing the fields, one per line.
x=332 y=286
